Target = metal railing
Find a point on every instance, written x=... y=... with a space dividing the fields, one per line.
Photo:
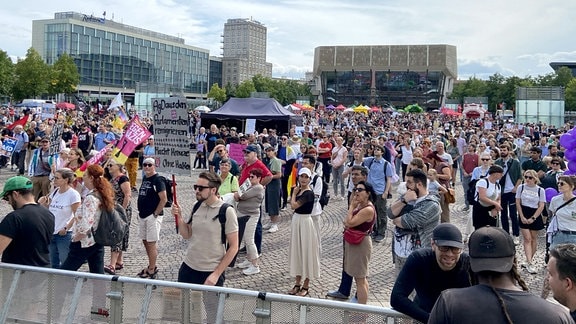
x=44 y=295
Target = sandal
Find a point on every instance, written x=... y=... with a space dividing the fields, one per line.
x=303 y=292
x=295 y=290
x=147 y=275
x=119 y=266
x=109 y=269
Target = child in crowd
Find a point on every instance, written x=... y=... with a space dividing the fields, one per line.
x=434 y=187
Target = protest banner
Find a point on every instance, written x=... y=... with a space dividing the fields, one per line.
x=171 y=135
x=135 y=134
x=250 y=126
x=48 y=111
x=56 y=138
x=8 y=145
x=96 y=159
x=235 y=152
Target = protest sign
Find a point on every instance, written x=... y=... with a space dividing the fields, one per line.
x=235 y=152
x=56 y=138
x=171 y=135
x=250 y=126
x=8 y=145
x=48 y=111
x=135 y=134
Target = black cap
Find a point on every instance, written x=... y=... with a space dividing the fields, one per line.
x=447 y=235
x=491 y=249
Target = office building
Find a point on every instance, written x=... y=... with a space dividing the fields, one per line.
x=244 y=51
x=113 y=57
x=382 y=75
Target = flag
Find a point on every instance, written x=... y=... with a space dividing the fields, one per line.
x=22 y=121
x=96 y=159
x=117 y=102
x=135 y=135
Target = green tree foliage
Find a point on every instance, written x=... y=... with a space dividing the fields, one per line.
x=245 y=88
x=31 y=76
x=563 y=77
x=217 y=93
x=6 y=74
x=64 y=76
x=284 y=91
x=570 y=95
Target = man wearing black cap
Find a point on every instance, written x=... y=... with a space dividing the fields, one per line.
x=430 y=271
x=497 y=298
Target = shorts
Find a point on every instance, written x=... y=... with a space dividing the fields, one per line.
x=149 y=228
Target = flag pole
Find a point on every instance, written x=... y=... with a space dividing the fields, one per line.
x=175 y=200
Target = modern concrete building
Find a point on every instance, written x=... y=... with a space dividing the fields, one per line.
x=382 y=75
x=113 y=57
x=244 y=51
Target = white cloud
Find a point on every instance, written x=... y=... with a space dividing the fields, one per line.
x=492 y=36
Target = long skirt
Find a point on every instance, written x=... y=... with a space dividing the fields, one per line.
x=304 y=253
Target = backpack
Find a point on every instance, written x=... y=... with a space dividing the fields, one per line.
x=222 y=219
x=169 y=195
x=324 y=196
x=111 y=227
x=475 y=197
x=471 y=193
x=393 y=178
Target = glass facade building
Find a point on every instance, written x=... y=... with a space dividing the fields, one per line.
x=112 y=57
x=397 y=75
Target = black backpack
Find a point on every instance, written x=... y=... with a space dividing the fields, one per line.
x=471 y=193
x=111 y=227
x=169 y=195
x=324 y=196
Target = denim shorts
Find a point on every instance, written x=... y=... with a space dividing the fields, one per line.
x=560 y=238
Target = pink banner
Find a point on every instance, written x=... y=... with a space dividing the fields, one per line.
x=135 y=134
x=235 y=151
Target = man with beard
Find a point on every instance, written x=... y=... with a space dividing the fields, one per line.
x=415 y=215
x=535 y=163
x=562 y=275
x=554 y=152
x=509 y=182
x=430 y=271
x=25 y=233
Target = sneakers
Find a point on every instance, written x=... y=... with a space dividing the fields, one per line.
x=531 y=269
x=267 y=226
x=273 y=229
x=336 y=294
x=244 y=264
x=516 y=240
x=378 y=238
x=252 y=269
x=354 y=300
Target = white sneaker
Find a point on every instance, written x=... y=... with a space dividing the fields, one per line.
x=267 y=226
x=273 y=229
x=516 y=240
x=251 y=270
x=336 y=198
x=244 y=264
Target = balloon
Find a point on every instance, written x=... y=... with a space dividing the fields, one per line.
x=568 y=141
x=570 y=155
x=572 y=166
x=569 y=173
x=550 y=193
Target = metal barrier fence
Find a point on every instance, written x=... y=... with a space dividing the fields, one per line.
x=44 y=295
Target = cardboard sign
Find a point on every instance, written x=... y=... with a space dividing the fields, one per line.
x=56 y=138
x=8 y=145
x=171 y=135
x=235 y=152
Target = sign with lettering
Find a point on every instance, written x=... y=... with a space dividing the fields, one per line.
x=135 y=134
x=171 y=135
x=250 y=126
x=56 y=138
x=48 y=111
x=235 y=152
x=8 y=145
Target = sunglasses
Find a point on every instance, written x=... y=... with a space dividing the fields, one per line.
x=556 y=163
x=529 y=177
x=560 y=183
x=454 y=249
x=359 y=189
x=147 y=164
x=199 y=187
x=486 y=159
x=253 y=176
x=220 y=151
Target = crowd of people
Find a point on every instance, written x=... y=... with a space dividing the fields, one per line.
x=402 y=168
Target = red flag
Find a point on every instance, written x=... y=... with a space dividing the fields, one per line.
x=22 y=121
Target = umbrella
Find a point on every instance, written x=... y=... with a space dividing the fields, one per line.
x=349 y=110
x=308 y=107
x=65 y=105
x=361 y=109
x=340 y=107
x=202 y=109
x=330 y=107
x=374 y=109
x=292 y=108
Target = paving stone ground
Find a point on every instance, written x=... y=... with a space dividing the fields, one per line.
x=274 y=275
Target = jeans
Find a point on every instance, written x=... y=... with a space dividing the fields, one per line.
x=508 y=203
x=381 y=218
x=338 y=181
x=59 y=248
x=18 y=159
x=78 y=255
x=465 y=187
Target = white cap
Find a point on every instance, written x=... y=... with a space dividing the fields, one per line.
x=305 y=171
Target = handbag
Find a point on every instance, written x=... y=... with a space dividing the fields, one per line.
x=450 y=196
x=354 y=236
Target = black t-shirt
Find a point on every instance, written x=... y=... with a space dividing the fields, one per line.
x=136 y=151
x=148 y=198
x=307 y=200
x=84 y=141
x=30 y=229
x=422 y=274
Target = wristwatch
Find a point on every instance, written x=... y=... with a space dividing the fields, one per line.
x=402 y=200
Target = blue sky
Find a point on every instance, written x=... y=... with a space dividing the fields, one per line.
x=508 y=37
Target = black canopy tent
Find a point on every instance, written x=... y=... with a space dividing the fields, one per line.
x=268 y=113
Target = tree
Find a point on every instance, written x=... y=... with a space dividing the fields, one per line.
x=31 y=76
x=6 y=74
x=217 y=93
x=563 y=77
x=570 y=95
x=245 y=88
x=64 y=76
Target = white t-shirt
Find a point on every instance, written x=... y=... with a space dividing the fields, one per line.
x=61 y=207
x=492 y=189
x=565 y=216
x=530 y=196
